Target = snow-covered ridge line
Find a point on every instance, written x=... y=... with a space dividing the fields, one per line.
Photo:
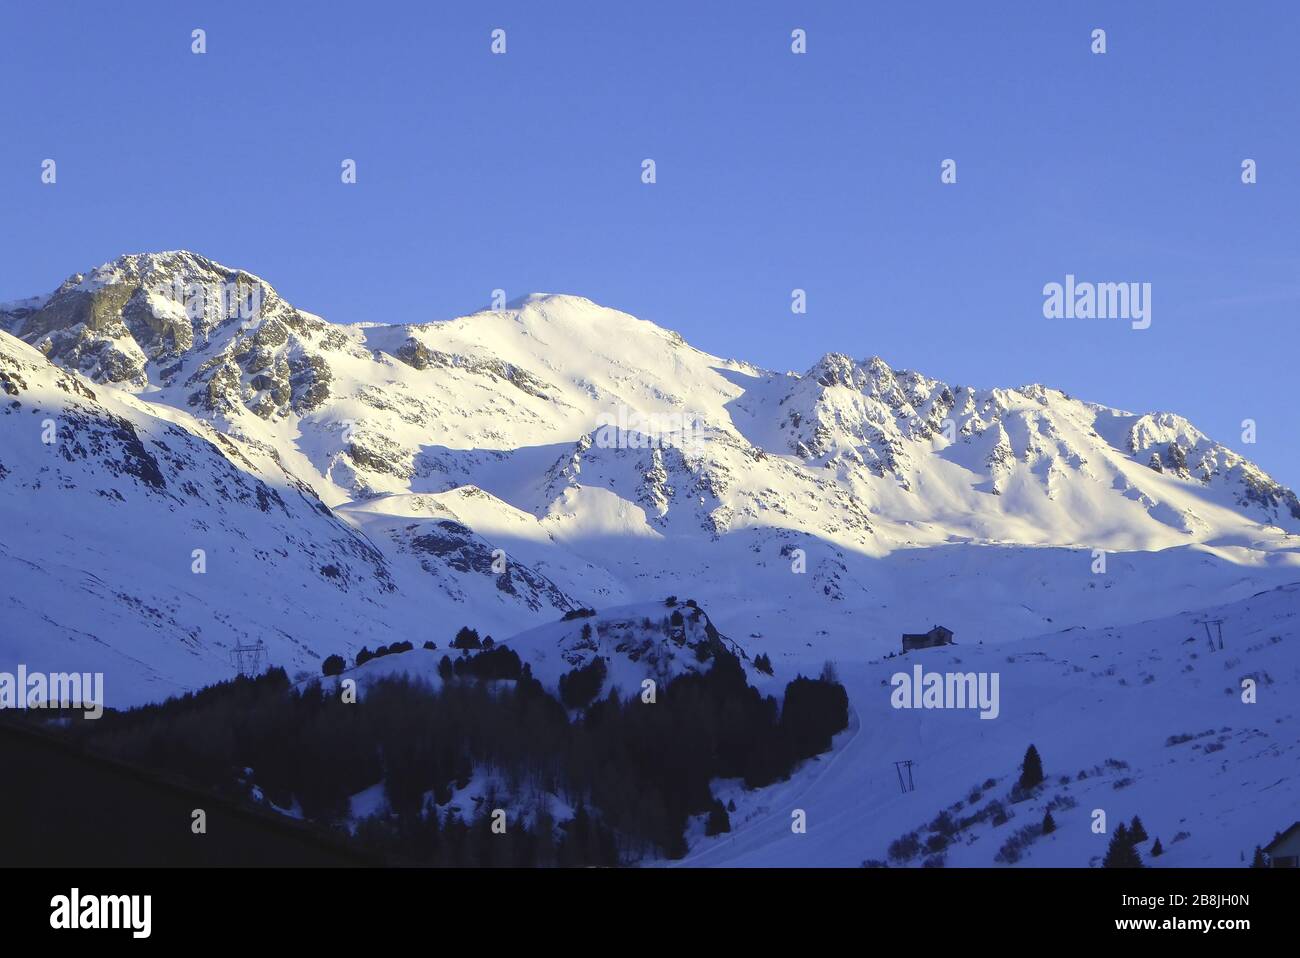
x=829 y=510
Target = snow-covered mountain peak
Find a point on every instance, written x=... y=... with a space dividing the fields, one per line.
x=134 y=321
x=560 y=300
x=543 y=311
x=582 y=415
x=155 y=269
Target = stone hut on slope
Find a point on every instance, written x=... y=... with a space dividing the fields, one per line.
x=927 y=640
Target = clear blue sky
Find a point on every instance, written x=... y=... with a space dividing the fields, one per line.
x=775 y=171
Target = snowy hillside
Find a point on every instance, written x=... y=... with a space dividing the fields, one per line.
x=143 y=543
x=1144 y=719
x=189 y=463
x=636 y=642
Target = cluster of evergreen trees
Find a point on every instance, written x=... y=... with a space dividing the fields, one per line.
x=498 y=662
x=335 y=664
x=448 y=840
x=465 y=639
x=649 y=766
x=814 y=710
x=579 y=686
x=637 y=771
x=1123 y=849
x=365 y=654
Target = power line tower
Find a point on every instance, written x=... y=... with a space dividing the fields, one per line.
x=1218 y=625
x=248 y=658
x=904 y=769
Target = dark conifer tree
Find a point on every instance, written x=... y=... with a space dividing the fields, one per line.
x=1122 y=853
x=718 y=822
x=1031 y=769
x=466 y=638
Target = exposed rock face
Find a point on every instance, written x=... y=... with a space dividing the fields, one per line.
x=418 y=356
x=458 y=547
x=163 y=319
x=109 y=324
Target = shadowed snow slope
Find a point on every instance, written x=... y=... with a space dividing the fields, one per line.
x=1137 y=720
